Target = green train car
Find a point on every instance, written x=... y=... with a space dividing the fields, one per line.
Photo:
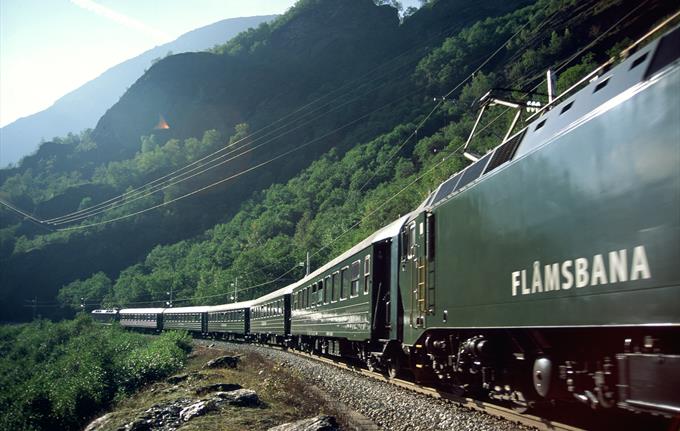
x=342 y=309
x=270 y=317
x=229 y=321
x=192 y=319
x=550 y=268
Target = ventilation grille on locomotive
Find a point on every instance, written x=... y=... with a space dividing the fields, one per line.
x=474 y=171
x=505 y=152
x=446 y=188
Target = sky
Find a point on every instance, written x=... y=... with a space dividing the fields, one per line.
x=51 y=47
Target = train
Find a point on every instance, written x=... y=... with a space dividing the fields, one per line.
x=547 y=270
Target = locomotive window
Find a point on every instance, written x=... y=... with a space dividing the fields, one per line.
x=367 y=272
x=335 y=287
x=344 y=283
x=356 y=273
x=412 y=240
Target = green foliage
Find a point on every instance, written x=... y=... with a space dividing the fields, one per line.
x=96 y=287
x=58 y=375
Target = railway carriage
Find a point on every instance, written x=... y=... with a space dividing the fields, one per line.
x=342 y=308
x=229 y=321
x=192 y=319
x=106 y=317
x=150 y=319
x=270 y=317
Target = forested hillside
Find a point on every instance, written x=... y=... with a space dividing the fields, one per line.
x=332 y=121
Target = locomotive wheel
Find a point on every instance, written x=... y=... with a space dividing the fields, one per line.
x=394 y=363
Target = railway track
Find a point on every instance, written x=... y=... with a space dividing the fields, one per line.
x=489 y=408
x=504 y=413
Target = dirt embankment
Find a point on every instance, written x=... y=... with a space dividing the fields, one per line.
x=255 y=394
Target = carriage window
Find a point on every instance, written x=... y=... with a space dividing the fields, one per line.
x=335 y=287
x=367 y=272
x=326 y=288
x=356 y=274
x=344 y=283
x=314 y=295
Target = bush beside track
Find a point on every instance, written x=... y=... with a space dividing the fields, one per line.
x=58 y=375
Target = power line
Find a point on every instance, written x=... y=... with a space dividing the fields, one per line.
x=174 y=182
x=347 y=84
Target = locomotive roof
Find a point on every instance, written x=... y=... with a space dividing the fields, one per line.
x=600 y=93
x=141 y=311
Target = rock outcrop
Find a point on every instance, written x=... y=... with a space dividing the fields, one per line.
x=318 y=423
x=223 y=361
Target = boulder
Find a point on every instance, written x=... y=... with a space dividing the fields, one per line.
x=197 y=409
x=217 y=387
x=98 y=423
x=239 y=397
x=223 y=361
x=318 y=423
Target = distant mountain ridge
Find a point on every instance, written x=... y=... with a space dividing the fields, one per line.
x=82 y=108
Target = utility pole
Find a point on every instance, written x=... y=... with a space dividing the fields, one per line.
x=235 y=286
x=169 y=302
x=307 y=273
x=82 y=304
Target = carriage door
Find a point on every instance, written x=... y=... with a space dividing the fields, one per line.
x=418 y=254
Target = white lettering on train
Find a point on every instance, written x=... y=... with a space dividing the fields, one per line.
x=582 y=272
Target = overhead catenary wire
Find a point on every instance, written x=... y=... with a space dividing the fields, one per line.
x=349 y=84
x=423 y=121
x=183 y=178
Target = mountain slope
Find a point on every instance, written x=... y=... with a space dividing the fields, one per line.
x=81 y=108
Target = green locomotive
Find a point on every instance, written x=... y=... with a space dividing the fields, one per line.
x=550 y=268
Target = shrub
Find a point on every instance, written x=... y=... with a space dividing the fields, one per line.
x=58 y=375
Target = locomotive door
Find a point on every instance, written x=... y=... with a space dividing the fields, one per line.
x=418 y=255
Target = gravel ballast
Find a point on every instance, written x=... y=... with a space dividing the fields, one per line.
x=389 y=406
